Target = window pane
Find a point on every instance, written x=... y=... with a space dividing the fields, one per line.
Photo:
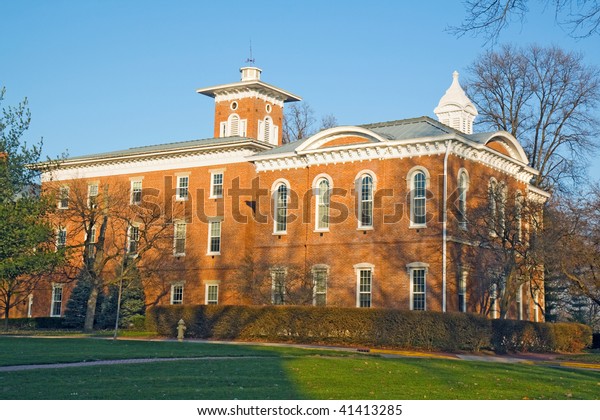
x=281 y=209
x=182 y=187
x=419 y=197
x=366 y=201
x=217 y=188
x=418 y=289
x=278 y=287
x=320 y=287
x=212 y=294
x=365 y=288
x=323 y=205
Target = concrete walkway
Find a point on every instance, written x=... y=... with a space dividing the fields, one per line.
x=527 y=358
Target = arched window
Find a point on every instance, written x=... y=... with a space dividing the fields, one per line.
x=280 y=199
x=322 y=204
x=463 y=187
x=418 y=208
x=234 y=125
x=366 y=201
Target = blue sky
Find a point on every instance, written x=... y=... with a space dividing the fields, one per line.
x=105 y=75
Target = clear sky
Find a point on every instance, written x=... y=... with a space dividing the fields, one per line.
x=104 y=75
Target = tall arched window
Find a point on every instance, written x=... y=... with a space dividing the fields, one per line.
x=418 y=198
x=463 y=187
x=280 y=209
x=322 y=204
x=366 y=201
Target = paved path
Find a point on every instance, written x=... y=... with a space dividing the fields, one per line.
x=531 y=359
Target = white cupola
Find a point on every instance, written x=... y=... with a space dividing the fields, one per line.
x=250 y=73
x=455 y=109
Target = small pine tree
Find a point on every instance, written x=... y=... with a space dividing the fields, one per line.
x=77 y=304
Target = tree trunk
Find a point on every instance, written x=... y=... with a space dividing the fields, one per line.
x=90 y=313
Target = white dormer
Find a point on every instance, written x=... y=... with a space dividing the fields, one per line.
x=455 y=109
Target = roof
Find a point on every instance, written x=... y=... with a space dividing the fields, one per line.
x=406 y=129
x=176 y=147
x=257 y=85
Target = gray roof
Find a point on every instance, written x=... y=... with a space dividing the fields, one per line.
x=411 y=128
x=180 y=146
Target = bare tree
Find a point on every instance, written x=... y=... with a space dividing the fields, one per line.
x=503 y=254
x=490 y=17
x=110 y=239
x=299 y=122
x=547 y=98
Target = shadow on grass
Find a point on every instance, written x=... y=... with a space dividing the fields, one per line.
x=228 y=372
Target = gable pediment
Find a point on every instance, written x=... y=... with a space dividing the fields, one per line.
x=339 y=137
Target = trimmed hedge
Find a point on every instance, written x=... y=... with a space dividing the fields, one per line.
x=367 y=327
x=523 y=336
x=43 y=323
x=344 y=326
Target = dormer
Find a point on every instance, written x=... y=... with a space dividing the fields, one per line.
x=249 y=108
x=455 y=108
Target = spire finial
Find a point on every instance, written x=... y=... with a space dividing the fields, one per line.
x=455 y=75
x=250 y=60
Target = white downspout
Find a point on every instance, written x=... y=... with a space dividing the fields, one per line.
x=444 y=225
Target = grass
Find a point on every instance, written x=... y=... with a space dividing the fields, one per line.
x=257 y=372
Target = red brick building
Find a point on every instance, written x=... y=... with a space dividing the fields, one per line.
x=369 y=216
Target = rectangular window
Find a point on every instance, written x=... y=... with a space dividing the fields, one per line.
x=366 y=201
x=536 y=308
x=136 y=192
x=223 y=129
x=319 y=286
x=63 y=198
x=182 y=188
x=133 y=238
x=418 y=289
x=179 y=244
x=177 y=294
x=212 y=294
x=216 y=185
x=61 y=238
x=365 y=283
x=462 y=292
x=93 y=196
x=214 y=237
x=57 y=295
x=520 y=302
x=278 y=286
x=91 y=243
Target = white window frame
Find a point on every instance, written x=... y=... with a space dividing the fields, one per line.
x=30 y=306
x=463 y=189
x=61 y=233
x=462 y=290
x=91 y=243
x=63 y=198
x=177 y=288
x=413 y=268
x=179 y=235
x=93 y=191
x=316 y=270
x=322 y=203
x=136 y=194
x=365 y=201
x=208 y=300
x=133 y=238
x=55 y=301
x=411 y=181
x=277 y=206
x=179 y=190
x=209 y=249
x=359 y=269
x=275 y=284
x=519 y=302
x=214 y=184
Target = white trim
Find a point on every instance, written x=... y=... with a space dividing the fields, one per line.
x=358 y=188
x=462 y=223
x=175 y=224
x=131 y=190
x=275 y=199
x=317 y=193
x=53 y=301
x=214 y=172
x=357 y=270
x=178 y=195
x=212 y=220
x=325 y=136
x=173 y=286
x=410 y=182
x=412 y=267
x=207 y=285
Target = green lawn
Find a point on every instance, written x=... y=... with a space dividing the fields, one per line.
x=270 y=373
